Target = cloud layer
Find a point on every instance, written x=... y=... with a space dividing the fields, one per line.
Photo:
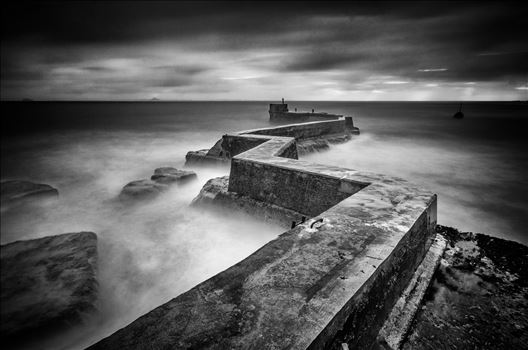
x=323 y=51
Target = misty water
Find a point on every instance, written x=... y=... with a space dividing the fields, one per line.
x=152 y=251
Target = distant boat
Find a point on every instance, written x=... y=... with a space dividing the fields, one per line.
x=459 y=114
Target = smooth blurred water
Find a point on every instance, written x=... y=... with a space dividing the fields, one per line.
x=154 y=251
x=476 y=165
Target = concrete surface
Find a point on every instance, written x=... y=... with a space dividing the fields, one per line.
x=398 y=323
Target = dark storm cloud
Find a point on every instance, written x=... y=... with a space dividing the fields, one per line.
x=323 y=60
x=119 y=21
x=416 y=37
x=12 y=71
x=463 y=41
x=97 y=69
x=178 y=69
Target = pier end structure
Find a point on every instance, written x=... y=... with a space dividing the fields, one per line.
x=279 y=113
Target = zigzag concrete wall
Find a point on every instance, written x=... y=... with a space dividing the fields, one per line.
x=316 y=285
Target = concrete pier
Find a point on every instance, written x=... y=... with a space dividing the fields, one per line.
x=331 y=279
x=308 y=137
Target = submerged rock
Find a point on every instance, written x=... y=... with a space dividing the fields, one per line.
x=168 y=175
x=201 y=157
x=310 y=146
x=320 y=144
x=142 y=189
x=15 y=191
x=162 y=179
x=215 y=194
x=48 y=284
x=210 y=190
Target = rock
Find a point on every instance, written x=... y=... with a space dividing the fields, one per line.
x=210 y=190
x=159 y=182
x=215 y=195
x=201 y=157
x=478 y=296
x=320 y=144
x=170 y=175
x=310 y=146
x=48 y=284
x=142 y=189
x=15 y=191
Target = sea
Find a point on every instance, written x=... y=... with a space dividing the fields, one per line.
x=152 y=251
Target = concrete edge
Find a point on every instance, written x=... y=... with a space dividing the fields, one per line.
x=398 y=323
x=250 y=131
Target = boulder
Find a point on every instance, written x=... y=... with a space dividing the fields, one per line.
x=313 y=145
x=210 y=190
x=215 y=195
x=168 y=175
x=142 y=189
x=159 y=182
x=15 y=191
x=203 y=158
x=47 y=284
x=320 y=144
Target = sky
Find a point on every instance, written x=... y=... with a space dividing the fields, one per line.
x=354 y=51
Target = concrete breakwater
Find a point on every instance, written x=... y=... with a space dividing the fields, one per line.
x=332 y=279
x=309 y=137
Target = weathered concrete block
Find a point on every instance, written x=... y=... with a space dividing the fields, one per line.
x=303 y=192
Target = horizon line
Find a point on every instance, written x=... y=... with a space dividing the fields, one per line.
x=232 y=100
